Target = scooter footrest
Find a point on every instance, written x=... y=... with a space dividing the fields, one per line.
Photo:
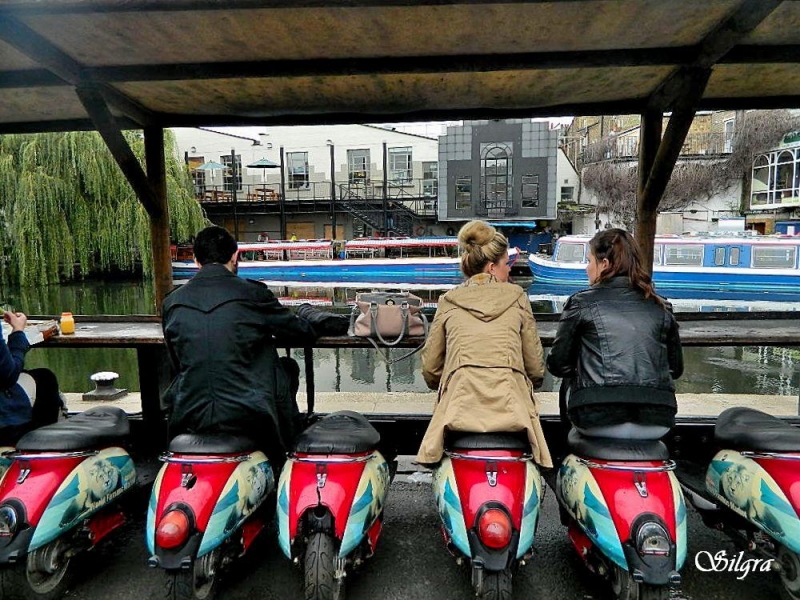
x=487 y=441
x=217 y=443
x=743 y=428
x=614 y=449
x=342 y=432
x=97 y=427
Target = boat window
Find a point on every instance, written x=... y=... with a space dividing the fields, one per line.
x=657 y=254
x=683 y=255
x=774 y=257
x=734 y=257
x=719 y=257
x=571 y=253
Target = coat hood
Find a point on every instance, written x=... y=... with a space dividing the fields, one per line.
x=485 y=297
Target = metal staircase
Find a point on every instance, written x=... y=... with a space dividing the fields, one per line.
x=401 y=219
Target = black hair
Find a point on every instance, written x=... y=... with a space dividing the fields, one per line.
x=214 y=245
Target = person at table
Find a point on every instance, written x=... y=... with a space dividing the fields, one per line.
x=30 y=399
x=221 y=332
x=483 y=353
x=618 y=347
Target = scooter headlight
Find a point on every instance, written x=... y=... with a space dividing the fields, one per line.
x=8 y=521
x=494 y=528
x=652 y=539
x=173 y=529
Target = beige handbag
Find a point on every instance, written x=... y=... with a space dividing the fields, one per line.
x=388 y=316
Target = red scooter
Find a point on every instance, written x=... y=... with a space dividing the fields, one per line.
x=208 y=504
x=625 y=513
x=331 y=496
x=59 y=497
x=488 y=491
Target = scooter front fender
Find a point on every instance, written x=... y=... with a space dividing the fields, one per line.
x=750 y=488
x=94 y=483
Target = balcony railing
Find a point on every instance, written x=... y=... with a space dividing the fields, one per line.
x=627 y=147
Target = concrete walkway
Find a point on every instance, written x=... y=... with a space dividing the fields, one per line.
x=423 y=403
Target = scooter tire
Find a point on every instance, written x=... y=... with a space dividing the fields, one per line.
x=183 y=585
x=319 y=563
x=790 y=574
x=17 y=583
x=653 y=592
x=496 y=586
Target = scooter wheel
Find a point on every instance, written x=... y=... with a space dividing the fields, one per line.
x=496 y=586
x=653 y=592
x=198 y=583
x=18 y=582
x=320 y=560
x=790 y=573
x=625 y=588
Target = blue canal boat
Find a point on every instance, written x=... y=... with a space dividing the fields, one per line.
x=704 y=263
x=429 y=260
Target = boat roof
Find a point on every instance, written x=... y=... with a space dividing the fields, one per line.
x=285 y=245
x=401 y=242
x=726 y=238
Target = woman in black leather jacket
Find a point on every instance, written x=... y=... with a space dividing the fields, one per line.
x=617 y=347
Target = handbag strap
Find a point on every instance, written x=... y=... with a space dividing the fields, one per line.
x=373 y=309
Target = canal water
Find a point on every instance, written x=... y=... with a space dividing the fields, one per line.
x=756 y=370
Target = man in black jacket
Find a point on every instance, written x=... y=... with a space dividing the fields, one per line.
x=221 y=332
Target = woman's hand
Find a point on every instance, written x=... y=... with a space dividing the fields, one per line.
x=16 y=320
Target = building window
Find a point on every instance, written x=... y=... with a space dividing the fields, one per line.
x=198 y=177
x=728 y=139
x=464 y=192
x=683 y=255
x=530 y=191
x=227 y=174
x=430 y=179
x=297 y=165
x=774 y=257
x=776 y=179
x=358 y=167
x=567 y=193
x=400 y=165
x=496 y=178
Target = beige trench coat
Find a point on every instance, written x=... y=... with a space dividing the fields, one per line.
x=483 y=354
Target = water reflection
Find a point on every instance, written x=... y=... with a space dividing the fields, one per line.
x=759 y=370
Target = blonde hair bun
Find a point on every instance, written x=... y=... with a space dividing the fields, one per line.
x=475 y=233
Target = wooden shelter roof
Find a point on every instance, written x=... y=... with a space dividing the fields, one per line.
x=168 y=63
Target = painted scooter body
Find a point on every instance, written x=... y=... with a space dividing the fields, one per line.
x=482 y=478
x=751 y=489
x=331 y=496
x=216 y=484
x=60 y=495
x=625 y=512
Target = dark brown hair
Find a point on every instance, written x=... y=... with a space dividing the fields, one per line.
x=624 y=258
x=480 y=244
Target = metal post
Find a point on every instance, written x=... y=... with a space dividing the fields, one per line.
x=385 y=192
x=233 y=195
x=283 y=197
x=333 y=195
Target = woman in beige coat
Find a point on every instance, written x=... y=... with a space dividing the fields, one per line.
x=483 y=353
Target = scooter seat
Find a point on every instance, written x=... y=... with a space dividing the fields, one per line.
x=97 y=427
x=342 y=432
x=742 y=428
x=487 y=441
x=615 y=449
x=211 y=443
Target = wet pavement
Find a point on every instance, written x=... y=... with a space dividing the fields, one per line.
x=411 y=563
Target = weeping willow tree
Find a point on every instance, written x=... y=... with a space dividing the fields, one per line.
x=68 y=211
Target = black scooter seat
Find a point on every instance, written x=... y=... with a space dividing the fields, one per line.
x=742 y=428
x=342 y=432
x=615 y=449
x=211 y=443
x=487 y=441
x=98 y=427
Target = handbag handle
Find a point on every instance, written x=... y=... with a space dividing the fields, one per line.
x=373 y=310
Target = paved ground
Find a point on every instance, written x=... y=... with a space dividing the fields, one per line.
x=411 y=564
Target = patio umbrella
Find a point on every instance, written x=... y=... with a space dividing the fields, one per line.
x=263 y=164
x=211 y=166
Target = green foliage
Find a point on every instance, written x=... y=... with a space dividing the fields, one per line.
x=66 y=207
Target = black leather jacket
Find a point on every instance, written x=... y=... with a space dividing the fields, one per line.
x=617 y=348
